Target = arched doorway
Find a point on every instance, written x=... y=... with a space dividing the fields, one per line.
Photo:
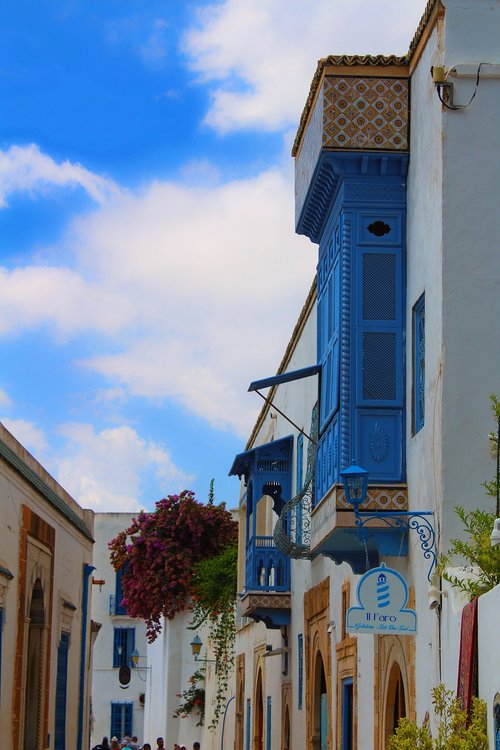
x=34 y=671
x=395 y=702
x=320 y=706
x=258 y=732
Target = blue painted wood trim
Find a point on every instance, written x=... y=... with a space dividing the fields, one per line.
x=300 y=669
x=268 y=722
x=345 y=357
x=249 y=725
x=331 y=168
x=87 y=570
x=61 y=692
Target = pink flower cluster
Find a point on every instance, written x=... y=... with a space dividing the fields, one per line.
x=159 y=551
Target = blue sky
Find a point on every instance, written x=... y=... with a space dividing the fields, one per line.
x=148 y=264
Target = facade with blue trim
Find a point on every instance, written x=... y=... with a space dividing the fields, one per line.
x=45 y=628
x=388 y=186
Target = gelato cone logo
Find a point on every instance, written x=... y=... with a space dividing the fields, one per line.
x=382 y=596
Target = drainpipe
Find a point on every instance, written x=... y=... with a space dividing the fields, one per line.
x=87 y=570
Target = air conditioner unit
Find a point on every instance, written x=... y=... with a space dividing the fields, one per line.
x=142 y=699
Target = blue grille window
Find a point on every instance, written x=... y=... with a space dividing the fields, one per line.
x=268 y=729
x=300 y=658
x=123 y=645
x=121 y=719
x=419 y=364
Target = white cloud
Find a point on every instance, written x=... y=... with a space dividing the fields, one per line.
x=5 y=400
x=183 y=281
x=61 y=298
x=25 y=169
x=260 y=56
x=28 y=434
x=106 y=470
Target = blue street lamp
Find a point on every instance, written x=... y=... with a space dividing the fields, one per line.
x=355 y=481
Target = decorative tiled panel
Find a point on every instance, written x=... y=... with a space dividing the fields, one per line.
x=365 y=113
x=378 y=498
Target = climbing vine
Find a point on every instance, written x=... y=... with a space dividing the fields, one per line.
x=193 y=699
x=214 y=593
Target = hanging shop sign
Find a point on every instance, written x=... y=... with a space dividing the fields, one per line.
x=382 y=596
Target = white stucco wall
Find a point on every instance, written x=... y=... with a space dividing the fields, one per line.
x=471 y=268
x=488 y=616
x=105 y=686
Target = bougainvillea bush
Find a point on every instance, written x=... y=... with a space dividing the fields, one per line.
x=159 y=551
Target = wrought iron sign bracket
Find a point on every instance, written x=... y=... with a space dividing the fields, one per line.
x=418 y=521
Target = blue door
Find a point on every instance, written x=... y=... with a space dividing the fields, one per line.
x=61 y=683
x=324 y=722
x=347 y=714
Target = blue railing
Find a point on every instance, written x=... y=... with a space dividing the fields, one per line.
x=267 y=569
x=115 y=607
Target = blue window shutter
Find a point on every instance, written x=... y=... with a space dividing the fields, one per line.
x=328 y=338
x=61 y=687
x=119 y=609
x=419 y=364
x=249 y=725
x=130 y=646
x=268 y=728
x=115 y=720
x=116 y=643
x=124 y=637
x=121 y=719
x=300 y=659
x=380 y=334
x=127 y=724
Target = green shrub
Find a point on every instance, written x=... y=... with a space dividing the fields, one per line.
x=453 y=731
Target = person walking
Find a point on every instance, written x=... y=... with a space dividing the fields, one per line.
x=104 y=745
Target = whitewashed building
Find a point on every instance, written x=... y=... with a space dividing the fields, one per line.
x=116 y=710
x=390 y=367
x=46 y=542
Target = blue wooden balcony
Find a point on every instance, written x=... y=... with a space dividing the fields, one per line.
x=267 y=569
x=115 y=606
x=267 y=583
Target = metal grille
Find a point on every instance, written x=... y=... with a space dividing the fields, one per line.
x=379 y=286
x=379 y=366
x=292 y=533
x=272 y=464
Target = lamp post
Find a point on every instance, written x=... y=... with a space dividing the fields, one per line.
x=196 y=645
x=135 y=656
x=355 y=481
